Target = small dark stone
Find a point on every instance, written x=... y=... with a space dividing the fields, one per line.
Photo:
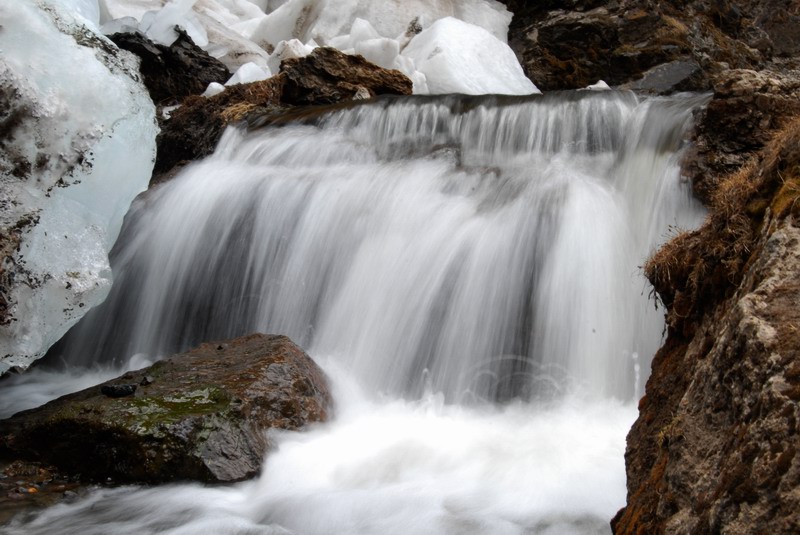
x=146 y=380
x=118 y=391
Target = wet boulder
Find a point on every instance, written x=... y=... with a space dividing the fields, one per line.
x=201 y=415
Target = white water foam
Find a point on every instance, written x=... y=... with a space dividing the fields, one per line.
x=394 y=467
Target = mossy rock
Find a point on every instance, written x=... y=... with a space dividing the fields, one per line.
x=201 y=415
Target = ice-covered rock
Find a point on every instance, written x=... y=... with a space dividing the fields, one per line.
x=79 y=149
x=252 y=31
x=221 y=27
x=458 y=57
x=600 y=85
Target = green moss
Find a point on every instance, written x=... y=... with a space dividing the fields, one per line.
x=146 y=415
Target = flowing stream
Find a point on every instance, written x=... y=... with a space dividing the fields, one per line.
x=466 y=269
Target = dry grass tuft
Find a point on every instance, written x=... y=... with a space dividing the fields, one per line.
x=696 y=270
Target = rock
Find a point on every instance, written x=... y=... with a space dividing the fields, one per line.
x=780 y=22
x=714 y=449
x=193 y=130
x=747 y=109
x=25 y=485
x=175 y=71
x=666 y=78
x=327 y=76
x=569 y=45
x=203 y=418
x=119 y=391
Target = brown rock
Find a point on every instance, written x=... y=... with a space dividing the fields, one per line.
x=193 y=130
x=714 y=449
x=203 y=417
x=747 y=109
x=326 y=76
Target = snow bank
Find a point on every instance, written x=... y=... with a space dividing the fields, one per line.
x=81 y=148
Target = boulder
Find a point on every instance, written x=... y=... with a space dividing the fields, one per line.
x=201 y=415
x=714 y=449
x=327 y=75
x=175 y=71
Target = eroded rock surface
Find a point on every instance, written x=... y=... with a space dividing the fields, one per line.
x=202 y=415
x=747 y=109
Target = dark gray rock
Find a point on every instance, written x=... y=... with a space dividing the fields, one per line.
x=666 y=78
x=176 y=71
x=118 y=391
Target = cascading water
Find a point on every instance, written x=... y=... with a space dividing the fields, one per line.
x=436 y=256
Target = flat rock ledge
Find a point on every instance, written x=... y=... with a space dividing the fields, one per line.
x=201 y=415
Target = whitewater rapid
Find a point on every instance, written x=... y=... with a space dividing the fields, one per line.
x=466 y=269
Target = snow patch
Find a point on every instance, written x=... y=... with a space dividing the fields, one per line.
x=248 y=73
x=458 y=57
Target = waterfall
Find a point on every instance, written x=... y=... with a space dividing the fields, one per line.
x=437 y=256
x=482 y=247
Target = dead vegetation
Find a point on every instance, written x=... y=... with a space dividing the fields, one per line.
x=698 y=269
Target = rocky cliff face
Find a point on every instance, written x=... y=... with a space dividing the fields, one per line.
x=715 y=447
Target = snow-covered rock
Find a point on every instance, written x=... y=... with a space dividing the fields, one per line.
x=79 y=149
x=458 y=57
x=382 y=51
